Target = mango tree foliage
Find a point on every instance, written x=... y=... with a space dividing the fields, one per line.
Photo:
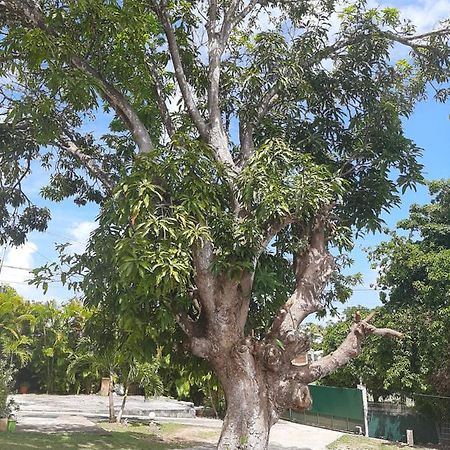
x=242 y=135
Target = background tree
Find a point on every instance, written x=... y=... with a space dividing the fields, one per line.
x=106 y=350
x=415 y=278
x=405 y=367
x=55 y=338
x=40 y=340
x=283 y=141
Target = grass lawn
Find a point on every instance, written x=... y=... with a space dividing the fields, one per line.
x=168 y=432
x=113 y=436
x=348 y=442
x=69 y=441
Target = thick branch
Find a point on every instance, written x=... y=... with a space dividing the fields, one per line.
x=407 y=40
x=204 y=279
x=312 y=270
x=198 y=345
x=273 y=230
x=349 y=349
x=188 y=98
x=21 y=10
x=241 y=15
x=215 y=50
x=87 y=161
x=29 y=13
x=120 y=104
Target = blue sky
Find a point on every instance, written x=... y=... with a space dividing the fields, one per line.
x=429 y=127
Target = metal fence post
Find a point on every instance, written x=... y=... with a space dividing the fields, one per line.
x=363 y=389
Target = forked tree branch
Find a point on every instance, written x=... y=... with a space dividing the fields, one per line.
x=313 y=269
x=198 y=345
x=243 y=13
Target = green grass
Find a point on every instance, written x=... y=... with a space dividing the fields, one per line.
x=167 y=431
x=348 y=442
x=128 y=440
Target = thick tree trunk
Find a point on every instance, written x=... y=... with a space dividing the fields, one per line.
x=247 y=387
x=249 y=413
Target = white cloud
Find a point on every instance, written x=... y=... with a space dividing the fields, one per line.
x=81 y=232
x=16 y=270
x=17 y=261
x=426 y=14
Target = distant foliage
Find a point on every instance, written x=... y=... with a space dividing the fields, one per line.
x=414 y=274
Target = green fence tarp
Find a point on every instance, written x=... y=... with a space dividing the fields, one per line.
x=391 y=426
x=338 y=402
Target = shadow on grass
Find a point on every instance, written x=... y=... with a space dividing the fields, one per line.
x=69 y=441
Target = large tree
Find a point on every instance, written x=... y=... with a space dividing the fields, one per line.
x=243 y=135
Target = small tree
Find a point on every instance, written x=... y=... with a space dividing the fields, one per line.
x=281 y=142
x=7 y=407
x=16 y=325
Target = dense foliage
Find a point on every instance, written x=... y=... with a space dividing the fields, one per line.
x=415 y=278
x=62 y=350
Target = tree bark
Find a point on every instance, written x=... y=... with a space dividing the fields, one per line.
x=259 y=384
x=248 y=418
x=122 y=407
x=112 y=414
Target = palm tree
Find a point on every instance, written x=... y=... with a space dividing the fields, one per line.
x=16 y=325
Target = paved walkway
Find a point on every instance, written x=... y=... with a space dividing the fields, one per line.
x=52 y=413
x=96 y=406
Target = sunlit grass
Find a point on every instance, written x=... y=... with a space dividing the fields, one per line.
x=127 y=440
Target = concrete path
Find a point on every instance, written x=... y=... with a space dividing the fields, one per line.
x=57 y=424
x=284 y=434
x=95 y=406
x=52 y=413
